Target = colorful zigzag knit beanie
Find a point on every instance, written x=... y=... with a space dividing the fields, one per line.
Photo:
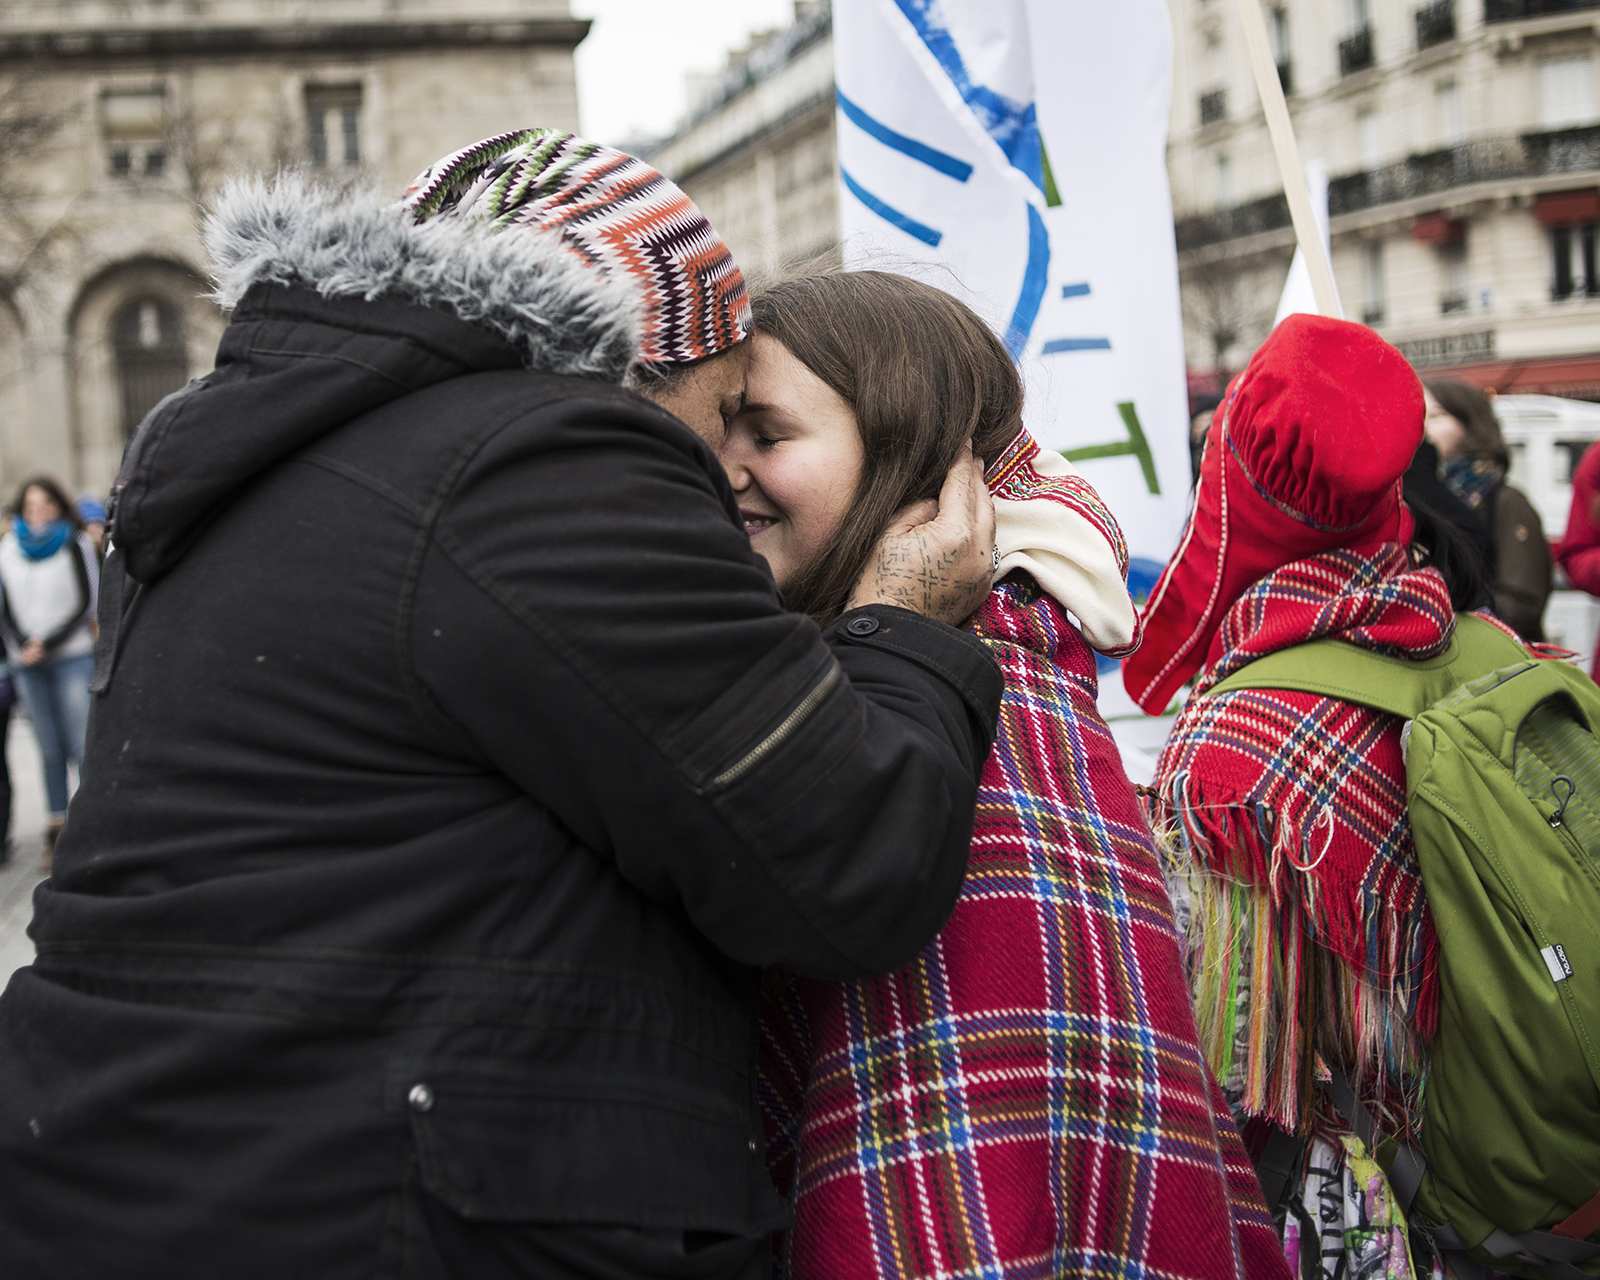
x=615 y=212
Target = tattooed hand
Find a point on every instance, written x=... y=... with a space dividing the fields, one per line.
x=937 y=558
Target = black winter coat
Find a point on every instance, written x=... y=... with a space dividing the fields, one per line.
x=457 y=772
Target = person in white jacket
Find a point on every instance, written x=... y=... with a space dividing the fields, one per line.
x=49 y=581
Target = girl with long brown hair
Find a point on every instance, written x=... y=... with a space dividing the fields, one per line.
x=1028 y=1097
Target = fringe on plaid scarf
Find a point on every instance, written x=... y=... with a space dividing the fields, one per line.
x=1285 y=829
x=1268 y=1000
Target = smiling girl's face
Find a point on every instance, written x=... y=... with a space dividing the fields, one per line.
x=794 y=457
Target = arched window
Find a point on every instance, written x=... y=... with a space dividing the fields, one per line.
x=152 y=360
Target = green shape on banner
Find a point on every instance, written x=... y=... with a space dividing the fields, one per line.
x=1052 y=194
x=1135 y=446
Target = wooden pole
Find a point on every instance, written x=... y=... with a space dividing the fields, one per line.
x=1287 y=151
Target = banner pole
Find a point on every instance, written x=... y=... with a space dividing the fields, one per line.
x=1287 y=151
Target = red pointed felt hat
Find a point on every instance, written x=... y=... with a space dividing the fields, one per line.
x=1304 y=456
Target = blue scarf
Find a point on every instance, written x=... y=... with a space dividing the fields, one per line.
x=43 y=544
x=1472 y=479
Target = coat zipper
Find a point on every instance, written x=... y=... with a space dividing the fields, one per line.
x=776 y=738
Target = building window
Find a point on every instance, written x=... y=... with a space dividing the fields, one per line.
x=152 y=359
x=1453 y=294
x=1214 y=101
x=1573 y=252
x=1280 y=48
x=1447 y=105
x=1436 y=23
x=1355 y=50
x=1279 y=31
x=1222 y=181
x=134 y=124
x=1376 y=306
x=333 y=125
x=1566 y=93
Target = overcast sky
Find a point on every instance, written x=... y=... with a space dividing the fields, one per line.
x=631 y=68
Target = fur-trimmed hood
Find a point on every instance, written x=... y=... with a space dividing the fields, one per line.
x=340 y=306
x=561 y=315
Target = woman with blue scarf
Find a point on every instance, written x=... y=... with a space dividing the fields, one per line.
x=50 y=576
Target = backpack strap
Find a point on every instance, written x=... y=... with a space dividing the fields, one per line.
x=1557 y=1255
x=1405 y=687
x=1583 y=1222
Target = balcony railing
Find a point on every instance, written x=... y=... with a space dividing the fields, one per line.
x=1355 y=52
x=1213 y=106
x=1286 y=74
x=1493 y=159
x=1512 y=10
x=1436 y=23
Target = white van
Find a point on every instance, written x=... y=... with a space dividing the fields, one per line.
x=1547 y=436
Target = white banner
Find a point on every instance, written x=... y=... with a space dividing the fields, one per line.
x=1013 y=152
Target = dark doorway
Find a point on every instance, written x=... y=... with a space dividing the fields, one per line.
x=152 y=359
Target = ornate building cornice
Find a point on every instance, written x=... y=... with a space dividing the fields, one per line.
x=144 y=44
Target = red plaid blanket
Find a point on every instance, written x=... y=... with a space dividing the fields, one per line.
x=1309 y=929
x=1028 y=1098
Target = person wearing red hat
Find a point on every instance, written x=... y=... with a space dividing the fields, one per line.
x=1308 y=931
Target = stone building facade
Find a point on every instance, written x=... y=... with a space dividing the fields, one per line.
x=1463 y=142
x=118 y=121
x=758 y=152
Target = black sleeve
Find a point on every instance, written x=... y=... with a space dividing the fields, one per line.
x=589 y=618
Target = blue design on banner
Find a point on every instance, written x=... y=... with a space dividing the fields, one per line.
x=948 y=165
x=1074 y=291
x=1035 y=279
x=890 y=214
x=1058 y=345
x=1013 y=125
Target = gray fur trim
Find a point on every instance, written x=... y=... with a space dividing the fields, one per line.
x=528 y=288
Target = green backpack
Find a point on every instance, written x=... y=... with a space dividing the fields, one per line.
x=1503 y=791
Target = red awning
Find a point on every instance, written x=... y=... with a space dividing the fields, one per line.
x=1436 y=229
x=1575 y=377
x=1567 y=208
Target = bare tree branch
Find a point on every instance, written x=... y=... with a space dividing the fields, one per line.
x=1222 y=301
x=30 y=120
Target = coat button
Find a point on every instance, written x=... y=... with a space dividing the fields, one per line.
x=861 y=626
x=420 y=1098
x=752 y=1146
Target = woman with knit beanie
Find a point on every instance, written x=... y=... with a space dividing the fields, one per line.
x=1027 y=1097
x=1308 y=933
x=455 y=768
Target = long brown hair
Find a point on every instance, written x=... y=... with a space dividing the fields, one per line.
x=922 y=374
x=1480 y=429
